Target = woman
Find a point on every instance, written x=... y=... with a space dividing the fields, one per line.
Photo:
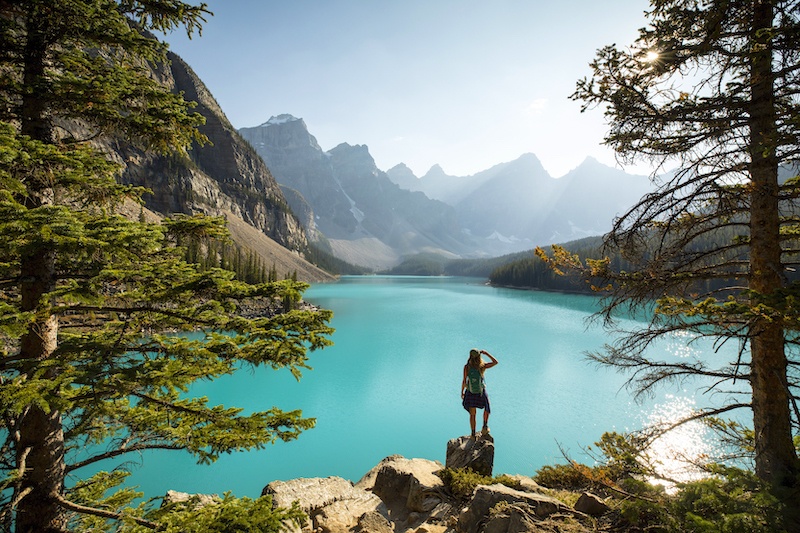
x=473 y=388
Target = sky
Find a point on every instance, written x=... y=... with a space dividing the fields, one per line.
x=463 y=84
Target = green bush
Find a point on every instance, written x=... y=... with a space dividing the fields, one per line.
x=648 y=515
x=228 y=515
x=461 y=482
x=562 y=477
x=732 y=500
x=729 y=500
x=623 y=455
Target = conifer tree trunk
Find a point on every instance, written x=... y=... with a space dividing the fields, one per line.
x=39 y=432
x=775 y=455
x=41 y=452
x=40 y=438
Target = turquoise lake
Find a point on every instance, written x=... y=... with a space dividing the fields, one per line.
x=391 y=384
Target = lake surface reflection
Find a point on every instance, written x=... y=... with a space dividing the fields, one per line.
x=391 y=383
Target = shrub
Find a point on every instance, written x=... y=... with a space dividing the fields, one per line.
x=461 y=482
x=563 y=477
x=647 y=515
x=229 y=515
x=730 y=501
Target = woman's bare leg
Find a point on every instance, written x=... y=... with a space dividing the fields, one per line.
x=472 y=420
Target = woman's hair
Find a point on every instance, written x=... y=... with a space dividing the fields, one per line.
x=475 y=359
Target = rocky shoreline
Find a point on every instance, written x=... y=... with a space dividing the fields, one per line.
x=407 y=495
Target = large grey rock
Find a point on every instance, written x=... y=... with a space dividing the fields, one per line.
x=197 y=500
x=487 y=496
x=367 y=482
x=591 y=504
x=341 y=516
x=477 y=454
x=408 y=485
x=310 y=493
x=333 y=504
x=526 y=484
x=373 y=522
x=514 y=520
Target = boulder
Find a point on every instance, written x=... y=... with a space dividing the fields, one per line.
x=475 y=453
x=407 y=485
x=333 y=504
x=198 y=500
x=341 y=516
x=310 y=493
x=486 y=497
x=591 y=504
x=526 y=484
x=513 y=520
x=373 y=522
x=367 y=482
x=441 y=512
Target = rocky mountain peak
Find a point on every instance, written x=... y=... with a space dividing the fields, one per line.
x=590 y=164
x=404 y=177
x=529 y=161
x=356 y=154
x=435 y=172
x=285 y=130
x=366 y=218
x=281 y=119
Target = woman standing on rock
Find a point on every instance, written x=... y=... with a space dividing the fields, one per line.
x=473 y=388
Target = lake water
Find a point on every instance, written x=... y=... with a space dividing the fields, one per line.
x=391 y=385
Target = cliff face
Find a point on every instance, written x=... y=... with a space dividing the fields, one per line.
x=223 y=176
x=407 y=221
x=298 y=162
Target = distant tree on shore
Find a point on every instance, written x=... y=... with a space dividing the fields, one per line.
x=711 y=87
x=93 y=364
x=532 y=272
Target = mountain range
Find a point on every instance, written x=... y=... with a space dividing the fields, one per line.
x=282 y=194
x=375 y=218
x=350 y=206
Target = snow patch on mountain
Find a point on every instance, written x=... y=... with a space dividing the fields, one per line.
x=496 y=235
x=280 y=119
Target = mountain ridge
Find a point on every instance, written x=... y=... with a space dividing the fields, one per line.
x=509 y=207
x=518 y=202
x=225 y=177
x=364 y=216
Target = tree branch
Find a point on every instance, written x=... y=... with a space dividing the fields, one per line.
x=661 y=430
x=66 y=504
x=63 y=310
x=120 y=451
x=22 y=493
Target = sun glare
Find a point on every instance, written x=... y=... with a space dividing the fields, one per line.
x=651 y=56
x=677 y=453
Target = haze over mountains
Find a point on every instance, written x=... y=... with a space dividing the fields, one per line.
x=374 y=218
x=341 y=202
x=348 y=204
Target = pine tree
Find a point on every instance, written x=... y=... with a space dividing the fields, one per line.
x=92 y=305
x=711 y=87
